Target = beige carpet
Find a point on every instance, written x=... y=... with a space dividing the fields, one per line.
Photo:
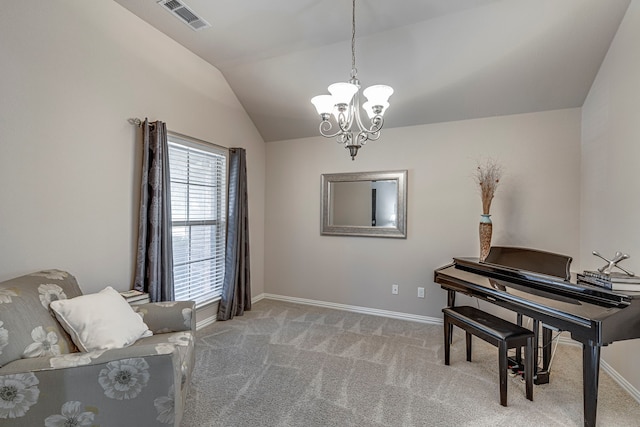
x=285 y=364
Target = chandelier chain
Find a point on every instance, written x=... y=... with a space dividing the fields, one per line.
x=354 y=72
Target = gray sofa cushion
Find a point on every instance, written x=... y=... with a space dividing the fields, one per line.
x=27 y=327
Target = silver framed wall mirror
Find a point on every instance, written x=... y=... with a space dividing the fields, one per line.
x=368 y=204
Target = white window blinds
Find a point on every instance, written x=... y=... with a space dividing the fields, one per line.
x=198 y=211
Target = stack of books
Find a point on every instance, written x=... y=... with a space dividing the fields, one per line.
x=614 y=281
x=134 y=297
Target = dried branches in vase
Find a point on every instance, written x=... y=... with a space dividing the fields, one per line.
x=487 y=176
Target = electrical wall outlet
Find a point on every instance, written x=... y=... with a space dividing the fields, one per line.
x=394 y=289
x=420 y=292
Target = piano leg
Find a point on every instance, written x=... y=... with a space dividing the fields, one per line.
x=547 y=337
x=536 y=340
x=451 y=298
x=451 y=301
x=519 y=350
x=541 y=373
x=590 y=374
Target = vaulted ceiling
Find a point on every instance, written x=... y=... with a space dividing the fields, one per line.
x=446 y=59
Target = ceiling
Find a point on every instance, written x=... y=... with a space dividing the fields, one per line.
x=446 y=59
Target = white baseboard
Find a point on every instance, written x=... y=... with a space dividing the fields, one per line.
x=626 y=385
x=622 y=382
x=257 y=298
x=212 y=319
x=205 y=322
x=356 y=309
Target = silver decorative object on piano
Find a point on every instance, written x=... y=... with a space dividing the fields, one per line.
x=613 y=262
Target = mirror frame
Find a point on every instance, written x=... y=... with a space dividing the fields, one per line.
x=399 y=231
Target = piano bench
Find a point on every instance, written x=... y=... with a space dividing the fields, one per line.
x=496 y=331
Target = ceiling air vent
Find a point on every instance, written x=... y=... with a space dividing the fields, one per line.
x=185 y=14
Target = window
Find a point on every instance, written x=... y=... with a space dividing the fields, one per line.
x=198 y=215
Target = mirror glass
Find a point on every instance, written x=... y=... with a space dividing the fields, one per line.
x=369 y=204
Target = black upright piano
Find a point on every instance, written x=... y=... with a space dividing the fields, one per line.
x=539 y=285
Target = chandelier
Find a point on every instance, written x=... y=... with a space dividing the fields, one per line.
x=344 y=105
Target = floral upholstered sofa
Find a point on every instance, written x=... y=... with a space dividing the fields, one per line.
x=55 y=371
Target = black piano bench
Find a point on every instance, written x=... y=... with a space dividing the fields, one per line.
x=496 y=331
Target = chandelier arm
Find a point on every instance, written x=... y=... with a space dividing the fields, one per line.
x=344 y=138
x=345 y=121
x=358 y=118
x=362 y=138
x=373 y=136
x=376 y=125
x=324 y=129
x=356 y=113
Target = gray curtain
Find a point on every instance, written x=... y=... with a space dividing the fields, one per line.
x=154 y=264
x=236 y=290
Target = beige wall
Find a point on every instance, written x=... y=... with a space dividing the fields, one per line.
x=610 y=205
x=72 y=73
x=536 y=206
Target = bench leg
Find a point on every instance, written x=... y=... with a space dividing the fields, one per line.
x=528 y=368
x=502 y=367
x=448 y=330
x=468 y=339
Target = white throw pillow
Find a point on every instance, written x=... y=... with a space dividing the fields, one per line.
x=100 y=321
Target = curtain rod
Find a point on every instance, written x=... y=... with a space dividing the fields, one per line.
x=135 y=121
